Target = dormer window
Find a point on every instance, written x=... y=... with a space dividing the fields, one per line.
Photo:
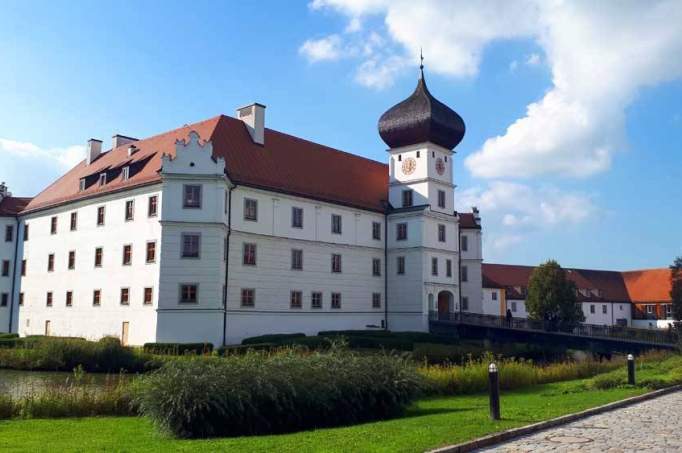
x=126 y=173
x=81 y=184
x=102 y=179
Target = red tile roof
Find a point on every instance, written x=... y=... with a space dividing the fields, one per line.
x=650 y=285
x=283 y=164
x=11 y=206
x=466 y=220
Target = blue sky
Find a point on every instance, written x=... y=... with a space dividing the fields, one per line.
x=588 y=173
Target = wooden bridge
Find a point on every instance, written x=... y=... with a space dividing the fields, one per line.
x=600 y=339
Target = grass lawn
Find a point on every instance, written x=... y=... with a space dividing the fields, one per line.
x=427 y=424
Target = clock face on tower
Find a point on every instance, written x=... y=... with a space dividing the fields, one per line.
x=440 y=166
x=409 y=165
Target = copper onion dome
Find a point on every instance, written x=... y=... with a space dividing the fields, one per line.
x=421 y=118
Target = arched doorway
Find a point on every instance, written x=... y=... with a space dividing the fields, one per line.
x=445 y=299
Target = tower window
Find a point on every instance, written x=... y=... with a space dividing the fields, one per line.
x=441 y=199
x=441 y=233
x=401 y=231
x=407 y=198
x=418 y=154
x=465 y=243
x=401 y=265
x=465 y=274
x=400 y=157
x=434 y=266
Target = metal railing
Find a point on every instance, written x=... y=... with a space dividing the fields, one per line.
x=584 y=330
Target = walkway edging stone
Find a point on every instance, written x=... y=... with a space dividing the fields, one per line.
x=503 y=436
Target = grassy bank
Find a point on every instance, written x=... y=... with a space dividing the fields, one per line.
x=426 y=424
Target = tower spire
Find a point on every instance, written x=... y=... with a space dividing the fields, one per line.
x=421 y=62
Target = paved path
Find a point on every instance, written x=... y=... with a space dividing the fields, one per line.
x=653 y=426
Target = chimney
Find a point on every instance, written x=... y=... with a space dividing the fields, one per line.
x=120 y=140
x=132 y=149
x=3 y=191
x=254 y=117
x=93 y=150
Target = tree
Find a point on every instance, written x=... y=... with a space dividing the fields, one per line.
x=676 y=288
x=552 y=298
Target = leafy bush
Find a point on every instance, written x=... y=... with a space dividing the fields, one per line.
x=65 y=354
x=259 y=393
x=8 y=335
x=277 y=338
x=178 y=348
x=244 y=348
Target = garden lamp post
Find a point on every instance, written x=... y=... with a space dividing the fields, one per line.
x=494 y=389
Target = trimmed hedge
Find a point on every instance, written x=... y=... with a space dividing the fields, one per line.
x=178 y=348
x=262 y=394
x=244 y=348
x=8 y=335
x=272 y=338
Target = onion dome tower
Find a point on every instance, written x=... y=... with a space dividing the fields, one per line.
x=421 y=118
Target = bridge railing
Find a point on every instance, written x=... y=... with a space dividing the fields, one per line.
x=584 y=330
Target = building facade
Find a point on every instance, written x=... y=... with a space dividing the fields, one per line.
x=226 y=229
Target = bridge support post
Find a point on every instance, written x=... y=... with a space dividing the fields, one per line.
x=631 y=369
x=494 y=389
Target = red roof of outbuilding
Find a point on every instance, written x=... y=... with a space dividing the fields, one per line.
x=11 y=206
x=648 y=285
x=284 y=164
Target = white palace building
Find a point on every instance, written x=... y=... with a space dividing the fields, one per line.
x=225 y=229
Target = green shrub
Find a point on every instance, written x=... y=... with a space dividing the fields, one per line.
x=8 y=335
x=178 y=348
x=259 y=393
x=277 y=338
x=244 y=348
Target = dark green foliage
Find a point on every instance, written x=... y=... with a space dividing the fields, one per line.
x=552 y=298
x=272 y=338
x=676 y=288
x=178 y=348
x=4 y=336
x=65 y=354
x=275 y=393
x=244 y=348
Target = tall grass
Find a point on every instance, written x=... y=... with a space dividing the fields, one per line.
x=654 y=374
x=258 y=393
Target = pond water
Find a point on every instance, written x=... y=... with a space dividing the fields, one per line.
x=17 y=384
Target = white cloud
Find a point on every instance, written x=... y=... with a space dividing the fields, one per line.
x=64 y=158
x=599 y=54
x=323 y=49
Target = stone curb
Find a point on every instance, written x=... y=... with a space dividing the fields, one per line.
x=513 y=433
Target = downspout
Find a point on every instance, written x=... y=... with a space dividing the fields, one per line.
x=227 y=259
x=14 y=277
x=386 y=270
x=459 y=265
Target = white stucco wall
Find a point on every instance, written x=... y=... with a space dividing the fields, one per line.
x=7 y=253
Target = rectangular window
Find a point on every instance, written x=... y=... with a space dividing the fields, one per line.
x=100 y=216
x=401 y=265
x=316 y=300
x=297 y=259
x=336 y=300
x=102 y=179
x=81 y=184
x=5 y=268
x=73 y=224
x=434 y=266
x=376 y=300
x=296 y=217
x=125 y=173
x=249 y=255
x=152 y=206
x=127 y=254
x=98 y=256
x=189 y=293
x=376 y=231
x=668 y=310
x=23 y=268
x=97 y=298
x=25 y=232
x=191 y=196
x=592 y=309
x=125 y=296
x=336 y=263
x=513 y=307
x=465 y=243
x=21 y=299
x=376 y=267
x=226 y=201
x=407 y=198
x=9 y=233
x=248 y=297
x=448 y=268
x=148 y=296
x=441 y=199
x=4 y=299
x=604 y=309
x=72 y=260
x=50 y=262
x=150 y=255
x=296 y=299
x=53 y=225
x=465 y=274
x=494 y=295
x=69 y=298
x=465 y=303
x=250 y=209
x=130 y=210
x=441 y=233
x=401 y=231
x=336 y=224
x=48 y=299
x=191 y=243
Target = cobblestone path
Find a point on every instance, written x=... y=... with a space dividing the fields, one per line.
x=651 y=426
